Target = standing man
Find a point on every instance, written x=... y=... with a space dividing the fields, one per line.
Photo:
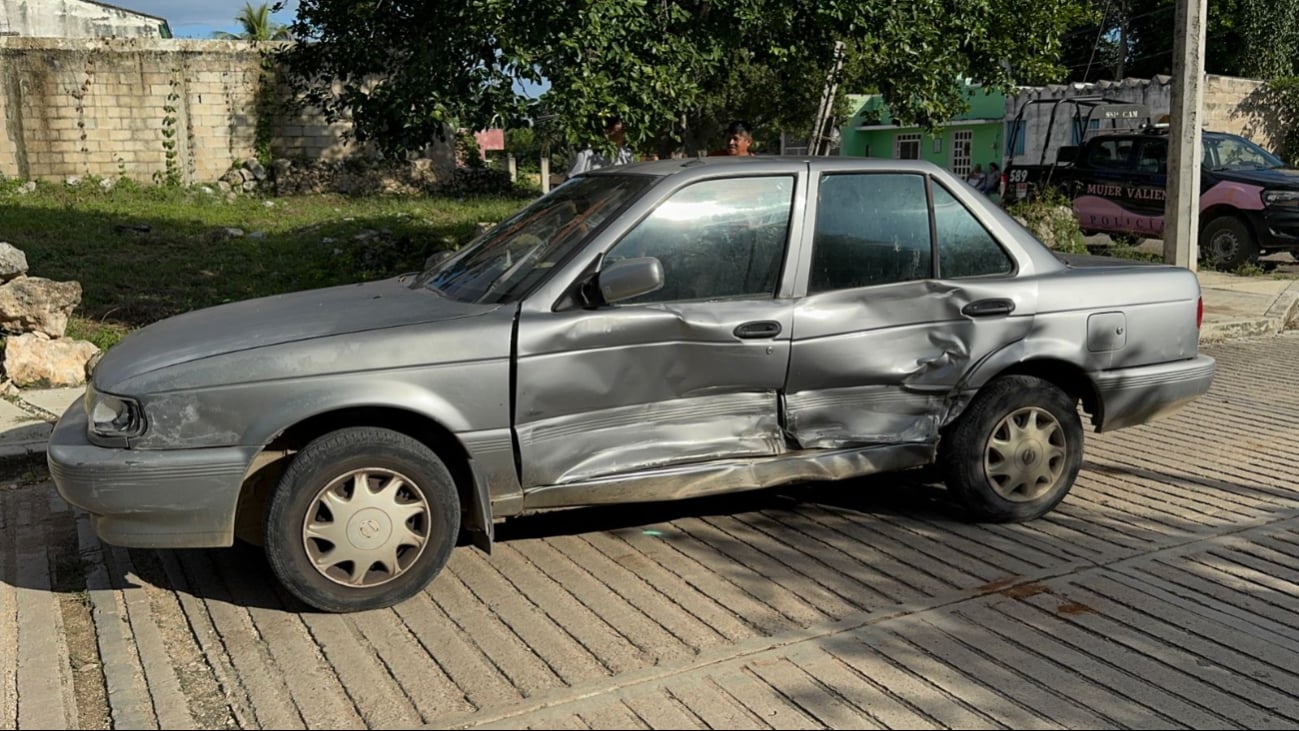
x=589 y=159
x=739 y=137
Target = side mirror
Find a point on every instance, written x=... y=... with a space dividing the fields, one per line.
x=630 y=278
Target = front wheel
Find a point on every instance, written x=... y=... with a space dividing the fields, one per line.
x=1014 y=453
x=363 y=518
x=1227 y=243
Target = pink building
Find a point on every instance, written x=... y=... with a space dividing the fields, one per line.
x=490 y=140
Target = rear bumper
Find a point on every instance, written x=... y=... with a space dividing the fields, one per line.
x=1131 y=396
x=183 y=498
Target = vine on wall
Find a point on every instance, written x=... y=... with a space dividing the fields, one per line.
x=79 y=94
x=171 y=174
x=267 y=107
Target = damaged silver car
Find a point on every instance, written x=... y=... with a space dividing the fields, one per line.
x=647 y=332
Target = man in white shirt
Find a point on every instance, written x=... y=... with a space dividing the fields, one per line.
x=589 y=159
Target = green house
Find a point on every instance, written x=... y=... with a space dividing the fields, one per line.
x=977 y=137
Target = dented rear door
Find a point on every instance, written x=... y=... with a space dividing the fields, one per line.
x=903 y=297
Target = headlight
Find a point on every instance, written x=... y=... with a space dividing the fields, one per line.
x=113 y=416
x=1281 y=199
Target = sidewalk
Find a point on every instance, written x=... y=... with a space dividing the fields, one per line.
x=1234 y=307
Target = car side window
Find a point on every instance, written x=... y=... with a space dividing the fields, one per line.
x=965 y=248
x=715 y=239
x=1154 y=158
x=871 y=229
x=1110 y=154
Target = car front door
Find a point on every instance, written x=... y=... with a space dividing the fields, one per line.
x=688 y=373
x=905 y=292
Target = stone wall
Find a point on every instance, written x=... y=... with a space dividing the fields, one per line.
x=146 y=109
x=1230 y=105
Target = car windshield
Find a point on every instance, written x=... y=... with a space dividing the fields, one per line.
x=503 y=264
x=1228 y=152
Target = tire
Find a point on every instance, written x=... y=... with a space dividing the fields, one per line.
x=1227 y=243
x=1014 y=453
x=318 y=490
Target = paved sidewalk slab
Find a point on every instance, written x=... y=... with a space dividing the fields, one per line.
x=1246 y=306
x=21 y=432
x=54 y=400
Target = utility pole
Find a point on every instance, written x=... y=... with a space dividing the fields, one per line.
x=1182 y=204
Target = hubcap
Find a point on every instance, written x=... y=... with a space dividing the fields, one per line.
x=1025 y=456
x=1224 y=246
x=366 y=528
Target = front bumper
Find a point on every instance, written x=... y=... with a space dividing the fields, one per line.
x=183 y=498
x=1278 y=230
x=1131 y=396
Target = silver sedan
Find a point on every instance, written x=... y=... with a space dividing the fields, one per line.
x=644 y=332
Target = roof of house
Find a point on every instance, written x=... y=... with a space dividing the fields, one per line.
x=122 y=9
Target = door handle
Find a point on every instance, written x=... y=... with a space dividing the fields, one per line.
x=757 y=329
x=988 y=308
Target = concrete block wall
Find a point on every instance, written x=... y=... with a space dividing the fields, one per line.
x=1240 y=106
x=144 y=108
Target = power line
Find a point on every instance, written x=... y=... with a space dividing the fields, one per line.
x=1214 y=37
x=1138 y=16
x=1099 y=32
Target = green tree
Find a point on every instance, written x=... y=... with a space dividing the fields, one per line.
x=1270 y=30
x=257 y=25
x=1251 y=38
x=674 y=70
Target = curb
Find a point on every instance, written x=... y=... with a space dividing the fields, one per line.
x=21 y=458
x=27 y=452
x=1282 y=315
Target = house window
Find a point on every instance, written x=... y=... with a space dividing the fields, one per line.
x=962 y=145
x=1015 y=138
x=906 y=147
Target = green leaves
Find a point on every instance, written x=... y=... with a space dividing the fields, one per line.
x=257 y=25
x=676 y=71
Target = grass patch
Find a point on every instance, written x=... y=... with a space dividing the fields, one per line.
x=1127 y=251
x=1249 y=269
x=1050 y=217
x=145 y=253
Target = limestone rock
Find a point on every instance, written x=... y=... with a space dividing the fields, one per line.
x=33 y=360
x=36 y=304
x=13 y=262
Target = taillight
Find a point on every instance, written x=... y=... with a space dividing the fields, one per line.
x=1199 y=312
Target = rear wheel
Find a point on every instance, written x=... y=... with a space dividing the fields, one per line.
x=363 y=518
x=1227 y=243
x=1014 y=453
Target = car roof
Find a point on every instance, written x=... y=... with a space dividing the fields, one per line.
x=1150 y=132
x=765 y=163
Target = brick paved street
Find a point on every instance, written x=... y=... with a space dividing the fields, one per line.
x=1162 y=593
